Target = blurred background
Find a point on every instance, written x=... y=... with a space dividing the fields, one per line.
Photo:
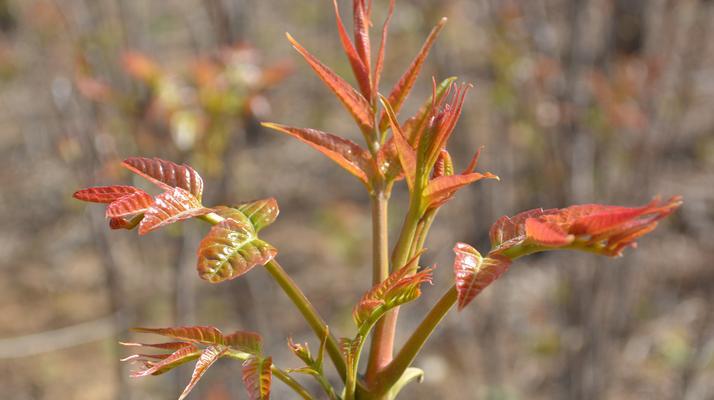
x=576 y=101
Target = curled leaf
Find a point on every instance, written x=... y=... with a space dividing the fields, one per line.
x=474 y=273
x=257 y=377
x=179 y=357
x=400 y=287
x=597 y=228
x=229 y=250
x=166 y=174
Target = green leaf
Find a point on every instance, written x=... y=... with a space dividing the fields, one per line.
x=409 y=375
x=229 y=250
x=257 y=377
x=259 y=213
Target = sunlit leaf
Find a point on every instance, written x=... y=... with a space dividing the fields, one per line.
x=229 y=250
x=195 y=334
x=442 y=188
x=360 y=70
x=130 y=204
x=402 y=286
x=473 y=273
x=353 y=101
x=181 y=356
x=125 y=223
x=407 y=155
x=595 y=228
x=175 y=205
x=379 y=65
x=247 y=342
x=257 y=377
x=209 y=356
x=401 y=89
x=166 y=174
x=361 y=25
x=346 y=153
x=259 y=213
x=104 y=194
x=415 y=126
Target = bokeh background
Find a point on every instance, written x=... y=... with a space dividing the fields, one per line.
x=576 y=101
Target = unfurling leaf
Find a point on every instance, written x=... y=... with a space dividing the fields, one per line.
x=346 y=153
x=353 y=101
x=175 y=205
x=360 y=70
x=124 y=223
x=259 y=213
x=229 y=250
x=166 y=174
x=194 y=334
x=379 y=65
x=474 y=273
x=400 y=287
x=179 y=357
x=301 y=351
x=209 y=356
x=597 y=228
x=401 y=89
x=104 y=194
x=257 y=377
x=131 y=204
x=407 y=155
x=415 y=126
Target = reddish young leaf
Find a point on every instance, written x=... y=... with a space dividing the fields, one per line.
x=124 y=223
x=474 y=273
x=440 y=189
x=346 y=153
x=407 y=155
x=401 y=89
x=179 y=357
x=209 y=356
x=353 y=101
x=162 y=346
x=602 y=229
x=194 y=334
x=104 y=194
x=130 y=204
x=247 y=342
x=402 y=286
x=415 y=126
x=442 y=124
x=360 y=70
x=361 y=25
x=166 y=174
x=382 y=46
x=257 y=377
x=229 y=250
x=175 y=205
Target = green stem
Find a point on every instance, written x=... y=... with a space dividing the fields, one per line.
x=290 y=381
x=301 y=302
x=389 y=375
x=308 y=312
x=278 y=373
